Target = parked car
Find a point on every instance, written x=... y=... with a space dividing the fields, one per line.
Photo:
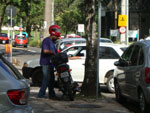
x=14 y=89
x=20 y=40
x=109 y=53
x=132 y=75
x=61 y=44
x=4 y=38
x=105 y=40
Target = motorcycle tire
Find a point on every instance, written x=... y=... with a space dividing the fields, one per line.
x=70 y=93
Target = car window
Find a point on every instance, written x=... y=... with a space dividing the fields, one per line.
x=66 y=44
x=108 y=53
x=82 y=52
x=134 y=57
x=105 y=40
x=141 y=57
x=126 y=55
x=20 y=37
x=72 y=51
x=10 y=69
x=79 y=42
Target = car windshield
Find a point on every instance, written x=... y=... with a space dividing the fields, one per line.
x=9 y=68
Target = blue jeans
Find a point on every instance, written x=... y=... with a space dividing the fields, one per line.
x=48 y=81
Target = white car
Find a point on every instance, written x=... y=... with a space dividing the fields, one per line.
x=109 y=53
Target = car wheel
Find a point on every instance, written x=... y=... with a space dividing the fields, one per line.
x=118 y=94
x=37 y=77
x=110 y=83
x=144 y=106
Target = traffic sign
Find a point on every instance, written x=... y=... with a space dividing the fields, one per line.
x=122 y=21
x=80 y=27
x=122 y=30
x=11 y=11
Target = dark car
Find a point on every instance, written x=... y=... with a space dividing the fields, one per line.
x=20 y=40
x=132 y=75
x=14 y=89
x=4 y=38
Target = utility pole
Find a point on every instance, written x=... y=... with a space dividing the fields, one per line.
x=123 y=12
x=48 y=16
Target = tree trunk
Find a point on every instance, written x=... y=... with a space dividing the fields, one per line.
x=89 y=84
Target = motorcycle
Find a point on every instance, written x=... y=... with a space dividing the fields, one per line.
x=64 y=80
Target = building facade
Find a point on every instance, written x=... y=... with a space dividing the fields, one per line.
x=139 y=16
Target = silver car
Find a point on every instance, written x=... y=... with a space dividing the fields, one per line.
x=132 y=75
x=14 y=89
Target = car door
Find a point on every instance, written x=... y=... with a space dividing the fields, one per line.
x=77 y=62
x=123 y=69
x=107 y=57
x=133 y=71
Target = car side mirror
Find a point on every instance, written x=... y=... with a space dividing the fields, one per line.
x=117 y=63
x=121 y=63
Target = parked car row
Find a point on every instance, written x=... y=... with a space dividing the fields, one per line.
x=19 y=40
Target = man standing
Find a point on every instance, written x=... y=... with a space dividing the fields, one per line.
x=48 y=49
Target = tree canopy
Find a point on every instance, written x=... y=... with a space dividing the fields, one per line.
x=29 y=11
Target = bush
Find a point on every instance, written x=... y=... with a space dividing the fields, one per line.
x=34 y=42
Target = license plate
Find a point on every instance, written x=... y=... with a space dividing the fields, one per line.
x=64 y=74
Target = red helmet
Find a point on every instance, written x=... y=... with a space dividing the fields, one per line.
x=54 y=30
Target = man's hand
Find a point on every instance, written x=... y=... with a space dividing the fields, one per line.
x=74 y=58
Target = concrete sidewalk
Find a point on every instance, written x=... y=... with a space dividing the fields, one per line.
x=100 y=105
